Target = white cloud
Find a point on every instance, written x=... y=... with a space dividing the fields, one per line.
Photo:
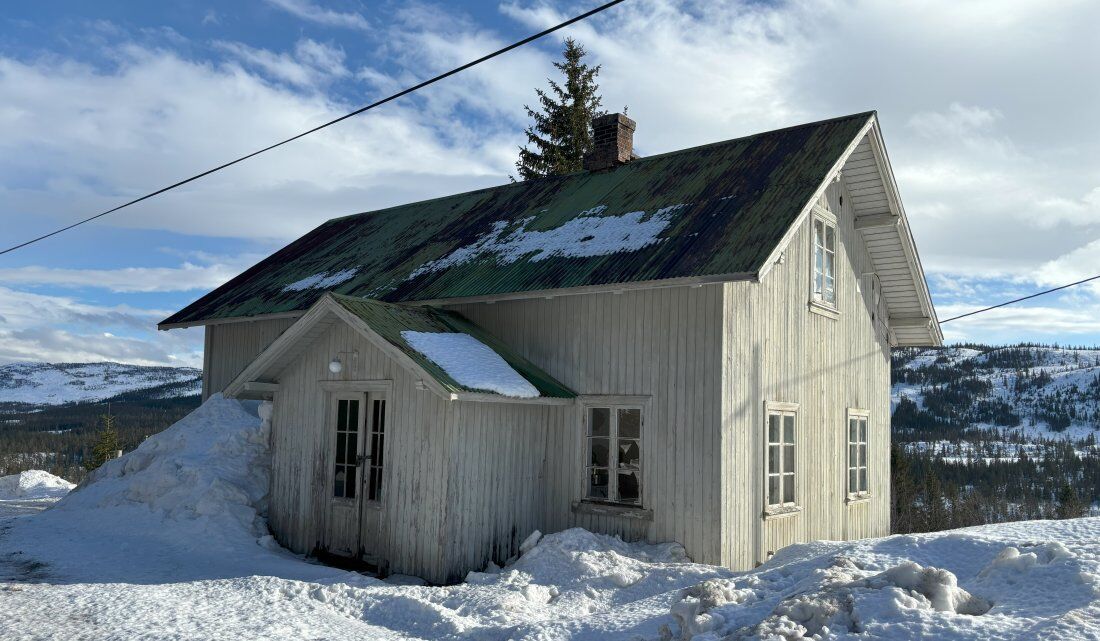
x=310 y=65
x=186 y=277
x=55 y=328
x=313 y=13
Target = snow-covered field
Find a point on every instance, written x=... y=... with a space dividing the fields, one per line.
x=168 y=542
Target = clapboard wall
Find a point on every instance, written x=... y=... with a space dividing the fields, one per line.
x=776 y=349
x=230 y=347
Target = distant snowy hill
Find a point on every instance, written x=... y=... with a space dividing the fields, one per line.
x=1039 y=391
x=28 y=385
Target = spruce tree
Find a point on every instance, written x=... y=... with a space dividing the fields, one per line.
x=106 y=446
x=1070 y=505
x=562 y=128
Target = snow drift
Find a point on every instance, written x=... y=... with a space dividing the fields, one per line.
x=212 y=465
x=33 y=485
x=169 y=542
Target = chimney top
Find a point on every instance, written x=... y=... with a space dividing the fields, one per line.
x=612 y=142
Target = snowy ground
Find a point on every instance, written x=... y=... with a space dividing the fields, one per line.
x=168 y=543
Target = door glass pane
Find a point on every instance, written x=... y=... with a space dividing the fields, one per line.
x=341 y=448
x=353 y=416
x=599 y=421
x=629 y=487
x=601 y=452
x=597 y=483
x=630 y=423
x=788 y=488
x=352 y=454
x=774 y=497
x=338 y=483
x=630 y=455
x=341 y=415
x=788 y=429
x=349 y=486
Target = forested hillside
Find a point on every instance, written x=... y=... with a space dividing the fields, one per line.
x=988 y=434
x=51 y=414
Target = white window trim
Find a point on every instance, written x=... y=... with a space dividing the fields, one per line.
x=856 y=497
x=818 y=303
x=773 y=510
x=614 y=402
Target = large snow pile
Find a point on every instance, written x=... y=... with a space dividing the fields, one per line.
x=33 y=485
x=168 y=542
x=470 y=362
x=208 y=471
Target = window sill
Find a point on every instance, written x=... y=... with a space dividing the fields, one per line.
x=781 y=512
x=612 y=509
x=828 y=311
x=854 y=499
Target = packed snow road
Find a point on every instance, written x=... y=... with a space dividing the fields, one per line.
x=169 y=543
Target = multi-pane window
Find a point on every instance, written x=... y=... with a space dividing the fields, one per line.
x=613 y=468
x=824 y=261
x=781 y=457
x=857 y=454
x=377 y=437
x=347 y=448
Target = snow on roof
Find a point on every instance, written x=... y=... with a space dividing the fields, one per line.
x=587 y=235
x=470 y=362
x=323 y=280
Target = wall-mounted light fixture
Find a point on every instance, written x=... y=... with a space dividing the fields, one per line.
x=336 y=365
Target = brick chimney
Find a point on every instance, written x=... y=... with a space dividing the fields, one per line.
x=612 y=142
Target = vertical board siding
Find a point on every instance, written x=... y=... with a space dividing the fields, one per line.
x=414 y=481
x=659 y=343
x=776 y=349
x=230 y=347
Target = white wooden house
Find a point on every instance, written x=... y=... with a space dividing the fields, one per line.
x=693 y=346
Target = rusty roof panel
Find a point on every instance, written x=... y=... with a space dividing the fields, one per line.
x=706 y=211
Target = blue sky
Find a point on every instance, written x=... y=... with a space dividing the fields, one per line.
x=987 y=107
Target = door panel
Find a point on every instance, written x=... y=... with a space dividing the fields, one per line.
x=374 y=476
x=345 y=430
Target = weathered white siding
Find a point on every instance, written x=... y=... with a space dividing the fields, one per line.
x=461 y=482
x=776 y=349
x=230 y=347
x=661 y=343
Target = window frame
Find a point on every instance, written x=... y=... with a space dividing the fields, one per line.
x=782 y=409
x=613 y=404
x=865 y=416
x=335 y=431
x=829 y=221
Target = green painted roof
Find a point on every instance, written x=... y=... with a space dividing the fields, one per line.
x=389 y=320
x=707 y=211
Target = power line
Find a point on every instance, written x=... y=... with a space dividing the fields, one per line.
x=986 y=309
x=383 y=101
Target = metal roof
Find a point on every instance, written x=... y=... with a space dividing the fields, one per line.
x=710 y=211
x=389 y=320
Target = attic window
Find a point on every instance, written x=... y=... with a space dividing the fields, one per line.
x=824 y=260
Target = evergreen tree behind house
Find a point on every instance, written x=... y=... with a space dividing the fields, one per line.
x=561 y=133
